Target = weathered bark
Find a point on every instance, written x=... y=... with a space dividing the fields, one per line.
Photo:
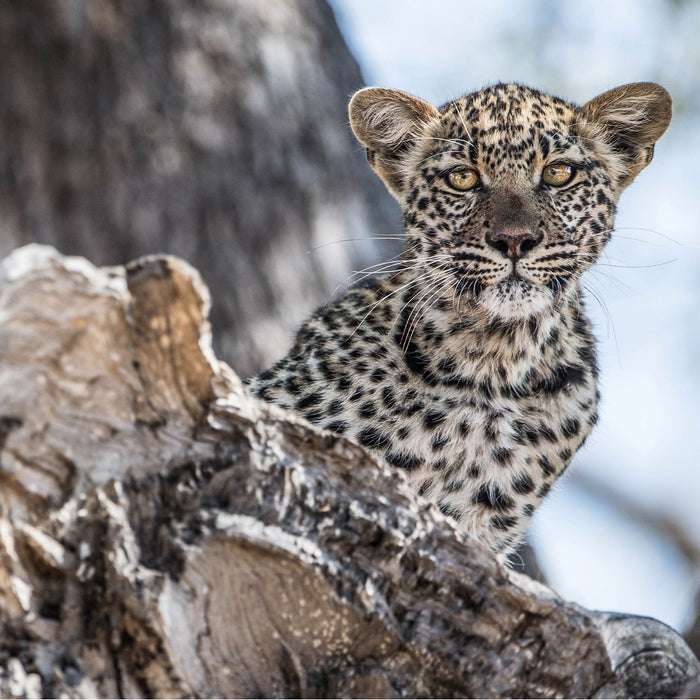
x=163 y=533
x=215 y=131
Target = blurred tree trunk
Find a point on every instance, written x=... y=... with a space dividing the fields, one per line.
x=213 y=130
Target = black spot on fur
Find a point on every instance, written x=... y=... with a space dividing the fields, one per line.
x=344 y=383
x=546 y=466
x=377 y=375
x=414 y=408
x=372 y=437
x=570 y=427
x=439 y=465
x=503 y=522
x=314 y=415
x=438 y=441
x=447 y=366
x=449 y=511
x=357 y=394
x=367 y=410
x=267 y=393
x=403 y=460
x=502 y=455
x=546 y=433
x=434 y=418
x=491 y=430
x=338 y=426
x=523 y=484
x=308 y=400
x=524 y=432
x=454 y=486
x=492 y=497
x=334 y=407
x=388 y=397
x=415 y=360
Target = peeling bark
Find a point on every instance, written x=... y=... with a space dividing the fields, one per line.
x=162 y=533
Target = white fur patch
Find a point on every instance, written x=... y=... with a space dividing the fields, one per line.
x=515 y=299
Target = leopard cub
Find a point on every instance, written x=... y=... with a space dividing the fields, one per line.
x=472 y=365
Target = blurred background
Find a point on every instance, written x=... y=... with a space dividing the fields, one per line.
x=217 y=131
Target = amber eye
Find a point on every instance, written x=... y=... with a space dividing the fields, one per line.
x=557 y=174
x=463 y=179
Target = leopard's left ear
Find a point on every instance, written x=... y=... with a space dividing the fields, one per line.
x=628 y=119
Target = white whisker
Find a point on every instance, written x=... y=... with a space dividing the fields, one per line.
x=402 y=287
x=396 y=237
x=433 y=291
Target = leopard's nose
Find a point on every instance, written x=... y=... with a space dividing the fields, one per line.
x=513 y=241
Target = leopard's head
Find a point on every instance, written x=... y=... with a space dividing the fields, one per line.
x=508 y=194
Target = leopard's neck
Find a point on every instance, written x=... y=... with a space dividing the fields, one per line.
x=442 y=339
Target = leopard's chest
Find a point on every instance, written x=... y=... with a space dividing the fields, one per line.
x=486 y=461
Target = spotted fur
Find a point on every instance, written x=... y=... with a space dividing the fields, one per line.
x=471 y=364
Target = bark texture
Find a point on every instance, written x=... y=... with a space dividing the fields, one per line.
x=215 y=131
x=162 y=533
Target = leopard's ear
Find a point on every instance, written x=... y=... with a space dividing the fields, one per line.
x=388 y=123
x=628 y=119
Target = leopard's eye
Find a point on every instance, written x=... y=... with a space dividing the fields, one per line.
x=558 y=174
x=465 y=179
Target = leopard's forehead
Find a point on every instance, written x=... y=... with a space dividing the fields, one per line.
x=503 y=130
x=507 y=107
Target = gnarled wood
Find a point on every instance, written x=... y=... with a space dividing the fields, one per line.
x=163 y=533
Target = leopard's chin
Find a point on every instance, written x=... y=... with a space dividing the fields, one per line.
x=515 y=298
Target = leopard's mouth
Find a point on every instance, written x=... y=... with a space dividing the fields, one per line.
x=515 y=274
x=515 y=286
x=515 y=297
x=510 y=291
x=514 y=278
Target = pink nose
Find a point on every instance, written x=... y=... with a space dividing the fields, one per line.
x=513 y=242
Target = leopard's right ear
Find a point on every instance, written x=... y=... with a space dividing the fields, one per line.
x=388 y=123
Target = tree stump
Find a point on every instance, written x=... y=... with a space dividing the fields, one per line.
x=163 y=533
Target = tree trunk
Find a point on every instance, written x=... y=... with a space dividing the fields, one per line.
x=216 y=131
x=162 y=533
